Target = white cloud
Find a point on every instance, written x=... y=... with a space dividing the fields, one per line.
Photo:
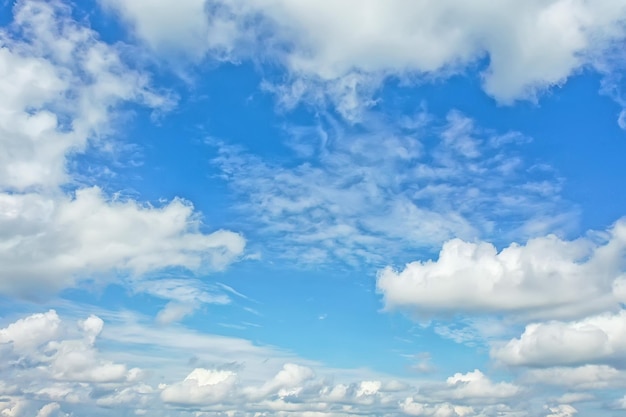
x=12 y=408
x=43 y=340
x=365 y=195
x=547 y=277
x=529 y=47
x=288 y=380
x=49 y=410
x=107 y=363
x=584 y=377
x=201 y=386
x=575 y=397
x=413 y=408
x=53 y=243
x=172 y=24
x=61 y=86
x=185 y=295
x=30 y=333
x=595 y=339
x=135 y=395
x=368 y=388
x=476 y=385
x=61 y=89
x=562 y=410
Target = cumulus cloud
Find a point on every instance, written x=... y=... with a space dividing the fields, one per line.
x=201 y=386
x=57 y=354
x=52 y=243
x=287 y=381
x=12 y=407
x=62 y=87
x=414 y=408
x=476 y=385
x=31 y=332
x=595 y=339
x=546 y=278
x=139 y=368
x=62 y=367
x=528 y=47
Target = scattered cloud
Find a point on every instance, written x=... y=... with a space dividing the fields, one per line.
x=65 y=367
x=63 y=89
x=368 y=194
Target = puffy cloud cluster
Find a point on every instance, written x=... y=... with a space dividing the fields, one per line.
x=596 y=339
x=61 y=88
x=346 y=49
x=567 y=296
x=42 y=341
x=48 y=359
x=66 y=364
x=546 y=278
x=296 y=389
x=201 y=386
x=476 y=385
x=50 y=243
x=412 y=408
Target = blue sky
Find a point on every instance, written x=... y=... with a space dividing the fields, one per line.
x=312 y=208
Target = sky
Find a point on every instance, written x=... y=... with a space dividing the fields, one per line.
x=312 y=208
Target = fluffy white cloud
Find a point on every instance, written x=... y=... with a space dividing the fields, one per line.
x=52 y=243
x=201 y=386
x=61 y=87
x=12 y=408
x=31 y=332
x=414 y=408
x=528 y=46
x=599 y=338
x=476 y=385
x=562 y=410
x=49 y=410
x=288 y=381
x=43 y=340
x=90 y=365
x=547 y=277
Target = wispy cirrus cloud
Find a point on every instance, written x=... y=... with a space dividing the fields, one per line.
x=376 y=191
